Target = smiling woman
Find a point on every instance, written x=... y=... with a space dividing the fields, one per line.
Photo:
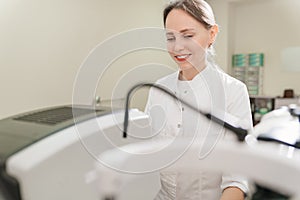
x=188 y=41
x=191 y=31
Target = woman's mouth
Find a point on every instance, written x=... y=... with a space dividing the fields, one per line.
x=182 y=57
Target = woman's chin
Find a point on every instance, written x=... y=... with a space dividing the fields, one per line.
x=184 y=67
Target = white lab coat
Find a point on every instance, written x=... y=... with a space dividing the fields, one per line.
x=211 y=91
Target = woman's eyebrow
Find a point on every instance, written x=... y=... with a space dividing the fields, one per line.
x=186 y=30
x=170 y=33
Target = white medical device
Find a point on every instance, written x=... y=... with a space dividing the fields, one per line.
x=46 y=154
x=275 y=166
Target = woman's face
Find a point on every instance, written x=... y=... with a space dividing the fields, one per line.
x=188 y=40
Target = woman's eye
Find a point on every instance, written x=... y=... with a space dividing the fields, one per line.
x=188 y=36
x=170 y=39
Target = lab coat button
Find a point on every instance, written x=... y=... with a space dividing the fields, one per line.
x=185 y=91
x=178 y=125
x=182 y=108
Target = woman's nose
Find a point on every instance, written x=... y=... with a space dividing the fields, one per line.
x=178 y=45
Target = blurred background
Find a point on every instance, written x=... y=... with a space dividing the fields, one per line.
x=43 y=44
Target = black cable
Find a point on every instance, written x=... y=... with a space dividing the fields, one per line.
x=279 y=139
x=239 y=132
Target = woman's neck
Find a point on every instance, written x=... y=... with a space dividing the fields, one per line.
x=189 y=74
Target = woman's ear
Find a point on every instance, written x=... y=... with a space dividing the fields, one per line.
x=213 y=31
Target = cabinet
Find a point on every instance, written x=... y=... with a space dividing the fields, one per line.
x=248 y=68
x=261 y=105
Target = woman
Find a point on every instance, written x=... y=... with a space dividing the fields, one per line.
x=191 y=31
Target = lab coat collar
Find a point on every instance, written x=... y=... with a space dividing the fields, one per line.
x=196 y=82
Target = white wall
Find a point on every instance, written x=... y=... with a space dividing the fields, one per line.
x=269 y=26
x=43 y=44
x=221 y=10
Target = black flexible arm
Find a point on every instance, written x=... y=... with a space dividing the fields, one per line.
x=239 y=132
